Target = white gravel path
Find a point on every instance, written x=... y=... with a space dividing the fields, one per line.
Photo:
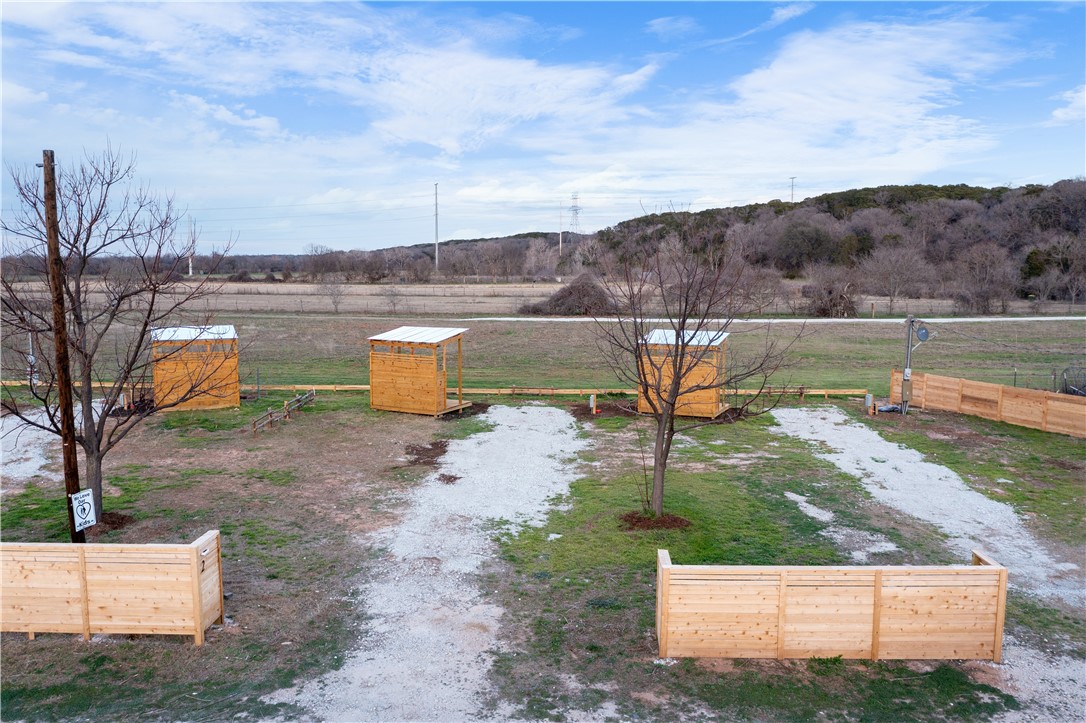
x=1050 y=687
x=426 y=657
x=899 y=477
x=26 y=451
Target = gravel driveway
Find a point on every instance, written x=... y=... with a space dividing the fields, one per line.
x=424 y=655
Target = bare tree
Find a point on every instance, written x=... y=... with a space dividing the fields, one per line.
x=110 y=316
x=680 y=276
x=894 y=271
x=985 y=277
x=332 y=286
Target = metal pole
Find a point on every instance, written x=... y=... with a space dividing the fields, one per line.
x=60 y=341
x=437 y=266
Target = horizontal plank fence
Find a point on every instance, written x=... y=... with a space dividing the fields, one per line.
x=270 y=417
x=1033 y=408
x=537 y=391
x=735 y=611
x=111 y=589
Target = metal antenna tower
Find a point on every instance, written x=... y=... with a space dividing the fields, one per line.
x=575 y=214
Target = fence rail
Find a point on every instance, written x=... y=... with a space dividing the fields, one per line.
x=270 y=417
x=1034 y=408
x=112 y=589
x=732 y=611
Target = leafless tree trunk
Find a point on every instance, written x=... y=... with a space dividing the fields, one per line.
x=681 y=276
x=334 y=288
x=123 y=278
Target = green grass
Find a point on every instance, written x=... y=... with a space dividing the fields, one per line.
x=278 y=477
x=585 y=591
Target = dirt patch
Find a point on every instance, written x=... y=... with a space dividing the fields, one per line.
x=110 y=521
x=426 y=455
x=476 y=409
x=604 y=408
x=638 y=520
x=447 y=479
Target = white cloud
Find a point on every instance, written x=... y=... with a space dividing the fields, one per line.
x=19 y=95
x=672 y=27
x=785 y=13
x=1074 y=110
x=780 y=16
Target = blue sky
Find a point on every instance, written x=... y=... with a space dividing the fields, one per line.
x=289 y=124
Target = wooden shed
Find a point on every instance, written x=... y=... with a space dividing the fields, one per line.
x=201 y=358
x=409 y=370
x=708 y=348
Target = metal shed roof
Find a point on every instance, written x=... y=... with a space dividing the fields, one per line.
x=666 y=337
x=195 y=333
x=418 y=335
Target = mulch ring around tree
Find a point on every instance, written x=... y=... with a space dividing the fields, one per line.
x=640 y=520
x=112 y=521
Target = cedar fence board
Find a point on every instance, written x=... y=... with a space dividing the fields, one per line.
x=854 y=612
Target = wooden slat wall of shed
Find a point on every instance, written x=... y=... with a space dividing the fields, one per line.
x=705 y=403
x=175 y=374
x=405 y=383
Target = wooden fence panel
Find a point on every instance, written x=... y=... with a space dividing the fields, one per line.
x=101 y=588
x=1024 y=407
x=1065 y=414
x=855 y=612
x=1037 y=409
x=980 y=399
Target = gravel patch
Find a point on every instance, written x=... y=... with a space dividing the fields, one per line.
x=899 y=477
x=1050 y=687
x=425 y=656
x=28 y=452
x=859 y=544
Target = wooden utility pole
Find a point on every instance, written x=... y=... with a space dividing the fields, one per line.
x=60 y=341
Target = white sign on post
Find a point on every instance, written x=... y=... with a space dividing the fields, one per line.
x=83 y=509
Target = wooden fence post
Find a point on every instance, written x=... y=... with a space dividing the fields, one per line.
x=782 y=600
x=84 y=593
x=663 y=599
x=197 y=603
x=876 y=615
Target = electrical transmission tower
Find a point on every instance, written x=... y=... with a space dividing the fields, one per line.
x=575 y=214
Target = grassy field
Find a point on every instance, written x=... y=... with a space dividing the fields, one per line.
x=292 y=503
x=325 y=349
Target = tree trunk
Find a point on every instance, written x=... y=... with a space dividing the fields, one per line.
x=665 y=430
x=94 y=481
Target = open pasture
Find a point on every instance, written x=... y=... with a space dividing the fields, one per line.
x=328 y=348
x=296 y=505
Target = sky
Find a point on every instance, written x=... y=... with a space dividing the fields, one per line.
x=283 y=125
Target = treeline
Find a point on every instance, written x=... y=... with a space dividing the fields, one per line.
x=979 y=246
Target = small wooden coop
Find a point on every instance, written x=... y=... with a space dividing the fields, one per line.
x=707 y=348
x=409 y=370
x=199 y=362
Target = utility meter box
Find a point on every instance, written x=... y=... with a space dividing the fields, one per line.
x=906 y=390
